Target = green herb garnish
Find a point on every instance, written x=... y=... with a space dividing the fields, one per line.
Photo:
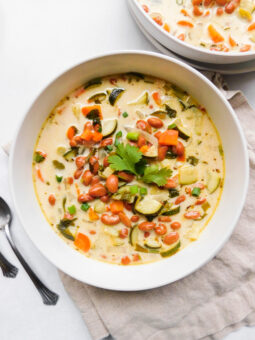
x=196 y=192
x=72 y=209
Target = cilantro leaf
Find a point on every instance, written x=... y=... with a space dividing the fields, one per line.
x=125 y=159
x=153 y=174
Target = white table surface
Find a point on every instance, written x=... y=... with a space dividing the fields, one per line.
x=38 y=40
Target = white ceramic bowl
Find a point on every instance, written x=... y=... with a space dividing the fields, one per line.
x=182 y=48
x=159 y=273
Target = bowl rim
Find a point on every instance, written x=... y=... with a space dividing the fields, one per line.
x=200 y=50
x=221 y=242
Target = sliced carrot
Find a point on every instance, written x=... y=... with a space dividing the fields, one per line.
x=82 y=242
x=206 y=13
x=87 y=109
x=245 y=48
x=157 y=134
x=71 y=132
x=145 y=8
x=158 y=19
x=185 y=23
x=184 y=12
x=166 y=27
x=93 y=216
x=156 y=97
x=214 y=34
x=39 y=174
x=97 y=136
x=232 y=42
x=87 y=135
x=181 y=158
x=251 y=27
x=169 y=137
x=144 y=148
x=181 y=37
x=116 y=207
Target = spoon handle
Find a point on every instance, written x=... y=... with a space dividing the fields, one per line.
x=8 y=269
x=48 y=297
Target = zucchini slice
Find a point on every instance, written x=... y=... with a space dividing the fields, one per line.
x=142 y=249
x=188 y=175
x=172 y=211
x=213 y=181
x=133 y=236
x=115 y=95
x=148 y=206
x=171 y=250
x=143 y=99
x=70 y=154
x=97 y=97
x=109 y=127
x=152 y=152
x=152 y=244
x=92 y=83
x=184 y=133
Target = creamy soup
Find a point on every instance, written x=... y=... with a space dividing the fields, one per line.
x=128 y=169
x=218 y=25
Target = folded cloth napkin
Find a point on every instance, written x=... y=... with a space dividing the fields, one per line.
x=208 y=304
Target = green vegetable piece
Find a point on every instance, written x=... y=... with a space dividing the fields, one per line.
x=58 y=165
x=115 y=95
x=119 y=134
x=125 y=114
x=85 y=206
x=72 y=209
x=134 y=189
x=221 y=150
x=65 y=232
x=38 y=157
x=192 y=160
x=97 y=98
x=152 y=174
x=170 y=112
x=133 y=136
x=172 y=126
x=92 y=83
x=173 y=192
x=172 y=250
x=59 y=178
x=143 y=191
x=195 y=192
x=172 y=211
x=109 y=147
x=71 y=154
x=64 y=204
x=136 y=75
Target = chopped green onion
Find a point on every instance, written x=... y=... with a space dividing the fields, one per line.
x=119 y=134
x=125 y=114
x=59 y=178
x=109 y=147
x=134 y=189
x=72 y=209
x=38 y=158
x=133 y=136
x=195 y=192
x=143 y=191
x=85 y=206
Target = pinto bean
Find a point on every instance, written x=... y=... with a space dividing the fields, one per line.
x=197 y=12
x=175 y=225
x=155 y=122
x=52 y=199
x=95 y=180
x=141 y=141
x=231 y=6
x=178 y=149
x=124 y=219
x=162 y=150
x=125 y=176
x=112 y=183
x=192 y=215
x=105 y=198
x=110 y=219
x=128 y=206
x=171 y=237
x=87 y=177
x=105 y=162
x=135 y=218
x=106 y=141
x=97 y=190
x=123 y=233
x=77 y=173
x=146 y=226
x=180 y=199
x=84 y=198
x=161 y=229
x=164 y=219
x=93 y=161
x=143 y=125
x=80 y=161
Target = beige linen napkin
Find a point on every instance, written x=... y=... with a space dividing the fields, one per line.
x=208 y=304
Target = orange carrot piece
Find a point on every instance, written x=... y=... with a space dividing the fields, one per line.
x=93 y=216
x=97 y=136
x=245 y=48
x=70 y=132
x=87 y=135
x=251 y=27
x=116 y=207
x=87 y=109
x=169 y=137
x=232 y=42
x=184 y=12
x=214 y=34
x=166 y=27
x=158 y=19
x=77 y=189
x=156 y=97
x=181 y=37
x=145 y=8
x=39 y=174
x=206 y=13
x=82 y=242
x=144 y=148
x=185 y=23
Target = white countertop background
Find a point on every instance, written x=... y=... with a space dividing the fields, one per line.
x=38 y=40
